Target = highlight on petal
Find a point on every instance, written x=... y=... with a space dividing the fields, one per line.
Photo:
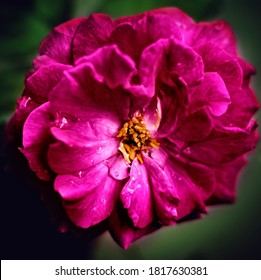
x=212 y=92
x=90 y=196
x=36 y=138
x=136 y=196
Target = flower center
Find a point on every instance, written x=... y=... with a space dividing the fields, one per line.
x=134 y=138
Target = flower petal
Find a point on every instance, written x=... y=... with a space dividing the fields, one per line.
x=122 y=230
x=195 y=127
x=136 y=196
x=40 y=84
x=218 y=60
x=165 y=194
x=114 y=66
x=226 y=179
x=212 y=92
x=92 y=34
x=89 y=199
x=224 y=145
x=36 y=138
x=218 y=32
x=58 y=44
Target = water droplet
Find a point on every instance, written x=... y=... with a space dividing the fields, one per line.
x=187 y=151
x=80 y=174
x=133 y=178
x=61 y=122
x=179 y=64
x=92 y=161
x=72 y=182
x=116 y=172
x=138 y=186
x=99 y=150
x=130 y=190
x=179 y=179
x=230 y=124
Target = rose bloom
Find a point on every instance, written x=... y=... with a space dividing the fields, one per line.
x=140 y=122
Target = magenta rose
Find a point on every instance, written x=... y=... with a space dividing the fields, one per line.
x=141 y=121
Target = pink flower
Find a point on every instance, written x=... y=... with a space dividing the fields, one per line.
x=142 y=121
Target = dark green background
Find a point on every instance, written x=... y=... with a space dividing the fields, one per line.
x=228 y=232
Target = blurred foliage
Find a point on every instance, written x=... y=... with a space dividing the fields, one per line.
x=227 y=232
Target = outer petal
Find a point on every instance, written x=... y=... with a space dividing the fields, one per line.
x=224 y=145
x=218 y=60
x=122 y=230
x=165 y=194
x=136 y=196
x=110 y=63
x=212 y=92
x=218 y=32
x=168 y=57
x=196 y=127
x=89 y=199
x=91 y=96
x=226 y=179
x=44 y=80
x=92 y=34
x=58 y=44
x=36 y=138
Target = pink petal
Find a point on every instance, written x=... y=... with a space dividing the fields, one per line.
x=165 y=194
x=195 y=127
x=224 y=145
x=36 y=138
x=90 y=197
x=218 y=60
x=226 y=181
x=167 y=58
x=90 y=98
x=114 y=66
x=58 y=44
x=92 y=34
x=44 y=80
x=212 y=92
x=118 y=167
x=122 y=230
x=136 y=196
x=218 y=32
x=64 y=158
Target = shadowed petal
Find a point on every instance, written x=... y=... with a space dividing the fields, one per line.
x=88 y=198
x=136 y=196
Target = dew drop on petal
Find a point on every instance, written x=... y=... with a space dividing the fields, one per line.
x=130 y=190
x=99 y=150
x=92 y=161
x=116 y=172
x=187 y=151
x=133 y=178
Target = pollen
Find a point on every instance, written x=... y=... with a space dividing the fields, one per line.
x=135 y=138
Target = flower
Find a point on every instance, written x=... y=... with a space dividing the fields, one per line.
x=141 y=121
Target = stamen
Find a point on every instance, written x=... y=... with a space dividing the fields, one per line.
x=134 y=138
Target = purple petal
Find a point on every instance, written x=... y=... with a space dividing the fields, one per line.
x=92 y=34
x=36 y=138
x=90 y=197
x=109 y=62
x=136 y=196
x=165 y=194
x=212 y=92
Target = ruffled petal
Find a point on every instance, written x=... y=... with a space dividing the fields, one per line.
x=167 y=58
x=83 y=94
x=212 y=92
x=36 y=138
x=114 y=66
x=63 y=158
x=224 y=145
x=218 y=60
x=58 y=44
x=136 y=196
x=92 y=34
x=226 y=181
x=195 y=127
x=218 y=32
x=90 y=197
x=165 y=194
x=122 y=230
x=40 y=84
